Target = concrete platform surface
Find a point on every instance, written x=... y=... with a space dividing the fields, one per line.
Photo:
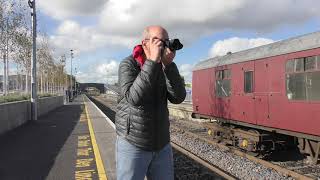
x=105 y=134
x=73 y=142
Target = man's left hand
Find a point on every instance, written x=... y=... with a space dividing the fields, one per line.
x=167 y=56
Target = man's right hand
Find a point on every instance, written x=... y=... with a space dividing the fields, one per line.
x=155 y=50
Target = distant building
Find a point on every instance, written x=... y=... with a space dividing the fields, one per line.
x=99 y=86
x=16 y=82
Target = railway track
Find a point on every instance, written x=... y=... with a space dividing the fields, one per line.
x=220 y=173
x=297 y=167
x=197 y=134
x=288 y=169
x=186 y=164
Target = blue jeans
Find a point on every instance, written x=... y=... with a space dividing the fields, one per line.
x=134 y=163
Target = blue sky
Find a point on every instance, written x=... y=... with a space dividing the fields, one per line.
x=103 y=32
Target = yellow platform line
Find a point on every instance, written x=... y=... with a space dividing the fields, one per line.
x=101 y=172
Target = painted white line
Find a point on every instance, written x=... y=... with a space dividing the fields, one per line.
x=107 y=119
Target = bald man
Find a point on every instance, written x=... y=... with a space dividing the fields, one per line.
x=148 y=79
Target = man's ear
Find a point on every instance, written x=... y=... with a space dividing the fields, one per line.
x=143 y=43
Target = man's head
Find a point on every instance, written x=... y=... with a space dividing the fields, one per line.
x=153 y=32
x=154 y=44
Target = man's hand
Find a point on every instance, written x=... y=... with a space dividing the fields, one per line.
x=154 y=51
x=168 y=56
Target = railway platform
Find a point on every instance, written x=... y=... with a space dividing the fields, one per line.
x=75 y=141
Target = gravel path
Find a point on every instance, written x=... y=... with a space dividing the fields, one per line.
x=235 y=165
x=186 y=168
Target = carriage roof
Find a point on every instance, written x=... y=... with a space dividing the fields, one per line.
x=300 y=43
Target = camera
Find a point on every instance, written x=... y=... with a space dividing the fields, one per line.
x=173 y=44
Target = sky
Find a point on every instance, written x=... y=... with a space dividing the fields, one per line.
x=103 y=32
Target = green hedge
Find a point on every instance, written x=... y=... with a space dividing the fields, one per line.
x=17 y=97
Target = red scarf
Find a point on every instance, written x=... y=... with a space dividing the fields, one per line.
x=138 y=55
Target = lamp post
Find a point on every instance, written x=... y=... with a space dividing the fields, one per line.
x=5 y=75
x=6 y=62
x=75 y=80
x=34 y=96
x=71 y=84
x=63 y=63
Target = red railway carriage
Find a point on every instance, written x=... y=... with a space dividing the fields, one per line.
x=274 y=88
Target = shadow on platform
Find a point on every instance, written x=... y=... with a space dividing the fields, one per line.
x=30 y=151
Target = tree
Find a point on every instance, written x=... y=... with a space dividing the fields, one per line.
x=11 y=19
x=16 y=43
x=23 y=54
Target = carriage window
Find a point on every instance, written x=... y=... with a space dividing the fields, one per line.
x=303 y=84
x=313 y=86
x=299 y=65
x=296 y=84
x=290 y=66
x=223 y=83
x=310 y=63
x=218 y=74
x=248 y=81
x=227 y=74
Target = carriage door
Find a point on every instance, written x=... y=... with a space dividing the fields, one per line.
x=261 y=89
x=248 y=98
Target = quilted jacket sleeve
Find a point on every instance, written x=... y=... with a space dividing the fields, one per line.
x=134 y=87
x=175 y=84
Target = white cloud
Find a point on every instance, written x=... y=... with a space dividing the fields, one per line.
x=107 y=72
x=120 y=24
x=121 y=21
x=186 y=71
x=184 y=16
x=71 y=35
x=190 y=20
x=108 y=69
x=236 y=44
x=61 y=9
x=101 y=73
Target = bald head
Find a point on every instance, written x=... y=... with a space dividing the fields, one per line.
x=155 y=31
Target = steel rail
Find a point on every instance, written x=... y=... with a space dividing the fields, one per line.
x=238 y=152
x=234 y=150
x=203 y=162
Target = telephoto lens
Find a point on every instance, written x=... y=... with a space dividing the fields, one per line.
x=173 y=44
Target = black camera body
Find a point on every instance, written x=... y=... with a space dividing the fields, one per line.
x=173 y=44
